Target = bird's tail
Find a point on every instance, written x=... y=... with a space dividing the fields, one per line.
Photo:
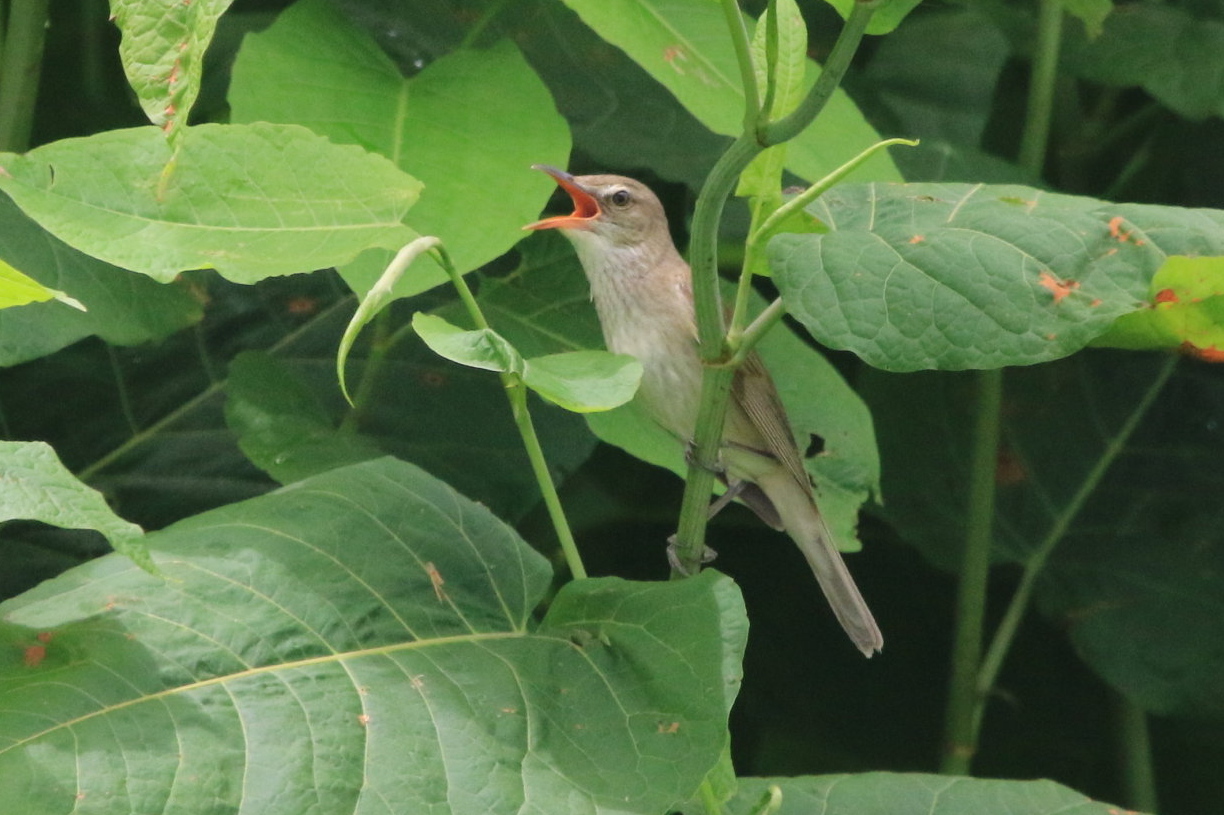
x=808 y=529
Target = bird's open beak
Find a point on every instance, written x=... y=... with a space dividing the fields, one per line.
x=586 y=208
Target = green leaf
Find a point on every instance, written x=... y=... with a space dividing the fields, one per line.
x=17 y=289
x=1185 y=310
x=974 y=276
x=888 y=15
x=685 y=46
x=1092 y=13
x=1132 y=577
x=123 y=308
x=482 y=348
x=247 y=200
x=282 y=425
x=38 y=487
x=162 y=52
x=375 y=300
x=584 y=381
x=917 y=794
x=468 y=126
x=361 y=637
x=962 y=52
x=580 y=381
x=1172 y=52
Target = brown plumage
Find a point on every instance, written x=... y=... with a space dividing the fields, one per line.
x=643 y=292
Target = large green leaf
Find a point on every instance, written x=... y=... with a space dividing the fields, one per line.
x=916 y=794
x=684 y=45
x=1175 y=53
x=121 y=307
x=247 y=200
x=468 y=126
x=361 y=638
x=38 y=487
x=162 y=52
x=959 y=276
x=1137 y=547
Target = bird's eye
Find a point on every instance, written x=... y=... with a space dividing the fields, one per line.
x=620 y=198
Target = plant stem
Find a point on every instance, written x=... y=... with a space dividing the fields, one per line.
x=703 y=258
x=516 y=392
x=743 y=57
x=964 y=703
x=1037 y=119
x=20 y=68
x=1135 y=756
x=830 y=77
x=1018 y=605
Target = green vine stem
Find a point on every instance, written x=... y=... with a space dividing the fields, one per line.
x=1135 y=756
x=972 y=678
x=964 y=705
x=516 y=392
x=1040 y=109
x=20 y=67
x=976 y=693
x=703 y=258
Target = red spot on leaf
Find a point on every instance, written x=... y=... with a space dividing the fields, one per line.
x=34 y=655
x=917 y=239
x=1056 y=287
x=44 y=637
x=1208 y=354
x=1165 y=296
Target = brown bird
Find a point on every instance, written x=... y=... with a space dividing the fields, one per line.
x=643 y=292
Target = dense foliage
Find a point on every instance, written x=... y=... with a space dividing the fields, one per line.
x=1003 y=372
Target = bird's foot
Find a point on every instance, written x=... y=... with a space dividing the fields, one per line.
x=673 y=559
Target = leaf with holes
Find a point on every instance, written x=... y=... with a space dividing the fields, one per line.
x=956 y=276
x=163 y=51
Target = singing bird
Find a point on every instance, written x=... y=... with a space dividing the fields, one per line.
x=642 y=290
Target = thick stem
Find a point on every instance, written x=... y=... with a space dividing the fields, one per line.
x=743 y=57
x=963 y=702
x=1135 y=756
x=703 y=257
x=1041 y=86
x=19 y=72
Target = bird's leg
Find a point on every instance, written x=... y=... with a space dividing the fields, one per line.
x=734 y=487
x=707 y=556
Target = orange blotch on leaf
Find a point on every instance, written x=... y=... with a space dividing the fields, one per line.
x=1056 y=287
x=917 y=239
x=34 y=655
x=1165 y=296
x=1208 y=354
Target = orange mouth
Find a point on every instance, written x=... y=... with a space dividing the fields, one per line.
x=586 y=208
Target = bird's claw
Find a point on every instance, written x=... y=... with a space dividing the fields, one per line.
x=673 y=559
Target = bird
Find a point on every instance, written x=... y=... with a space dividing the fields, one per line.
x=642 y=289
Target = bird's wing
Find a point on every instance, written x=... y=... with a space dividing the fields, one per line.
x=754 y=391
